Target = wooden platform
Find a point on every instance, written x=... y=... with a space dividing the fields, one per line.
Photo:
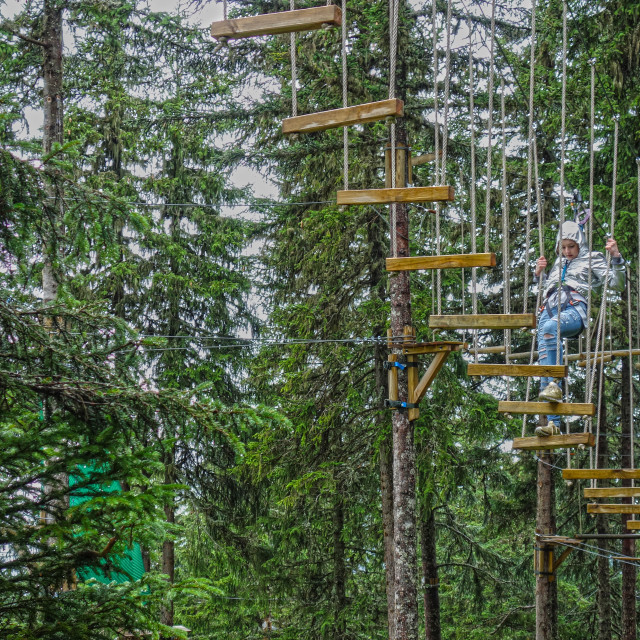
x=484 y=321
x=612 y=492
x=547 y=408
x=517 y=370
x=613 y=508
x=344 y=117
x=554 y=442
x=416 y=263
x=419 y=348
x=601 y=474
x=400 y=194
x=275 y=23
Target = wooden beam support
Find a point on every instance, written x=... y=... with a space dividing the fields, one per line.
x=274 y=23
x=613 y=508
x=612 y=492
x=547 y=408
x=561 y=558
x=554 y=442
x=344 y=117
x=463 y=260
x=517 y=370
x=484 y=321
x=430 y=374
x=416 y=161
x=420 y=348
x=601 y=474
x=400 y=194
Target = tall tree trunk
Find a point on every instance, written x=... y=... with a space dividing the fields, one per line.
x=604 y=578
x=430 y=577
x=53 y=126
x=404 y=472
x=168 y=546
x=386 y=489
x=546 y=589
x=629 y=571
x=339 y=569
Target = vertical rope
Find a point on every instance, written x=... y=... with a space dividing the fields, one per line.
x=487 y=212
x=530 y=161
x=393 y=51
x=224 y=9
x=473 y=203
x=630 y=342
x=563 y=151
x=345 y=103
x=434 y=18
x=505 y=233
x=294 y=69
x=638 y=218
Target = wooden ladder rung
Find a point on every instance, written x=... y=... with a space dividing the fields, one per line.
x=612 y=492
x=484 y=321
x=633 y=525
x=420 y=348
x=613 y=508
x=415 y=263
x=281 y=22
x=601 y=474
x=400 y=194
x=344 y=117
x=518 y=370
x=548 y=408
x=554 y=442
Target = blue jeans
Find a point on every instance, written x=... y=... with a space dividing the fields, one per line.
x=570 y=326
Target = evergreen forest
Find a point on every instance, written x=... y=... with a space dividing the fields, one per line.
x=195 y=437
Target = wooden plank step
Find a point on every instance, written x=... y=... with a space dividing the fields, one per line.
x=612 y=492
x=554 y=442
x=633 y=525
x=613 y=508
x=415 y=263
x=547 y=408
x=400 y=194
x=344 y=117
x=421 y=348
x=484 y=321
x=518 y=370
x=601 y=474
x=274 y=23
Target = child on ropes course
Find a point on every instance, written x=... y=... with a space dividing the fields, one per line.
x=569 y=277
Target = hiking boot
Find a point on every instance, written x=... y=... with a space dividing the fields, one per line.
x=551 y=393
x=550 y=430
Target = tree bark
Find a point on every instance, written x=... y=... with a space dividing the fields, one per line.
x=339 y=569
x=386 y=489
x=546 y=589
x=430 y=577
x=168 y=546
x=404 y=472
x=52 y=132
x=629 y=571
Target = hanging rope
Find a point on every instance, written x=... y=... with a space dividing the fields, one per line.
x=487 y=213
x=630 y=339
x=638 y=218
x=473 y=204
x=345 y=130
x=530 y=162
x=505 y=233
x=393 y=50
x=434 y=35
x=294 y=69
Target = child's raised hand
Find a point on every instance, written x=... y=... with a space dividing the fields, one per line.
x=541 y=265
x=612 y=248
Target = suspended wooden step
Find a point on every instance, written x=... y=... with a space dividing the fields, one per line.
x=612 y=492
x=548 y=408
x=518 y=370
x=484 y=321
x=420 y=348
x=613 y=508
x=601 y=474
x=633 y=525
x=415 y=263
x=358 y=114
x=399 y=194
x=564 y=441
x=274 y=23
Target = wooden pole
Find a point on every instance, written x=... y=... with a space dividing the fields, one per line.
x=404 y=471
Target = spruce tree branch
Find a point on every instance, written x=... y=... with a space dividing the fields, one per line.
x=8 y=26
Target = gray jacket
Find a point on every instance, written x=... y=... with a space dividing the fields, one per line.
x=576 y=275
